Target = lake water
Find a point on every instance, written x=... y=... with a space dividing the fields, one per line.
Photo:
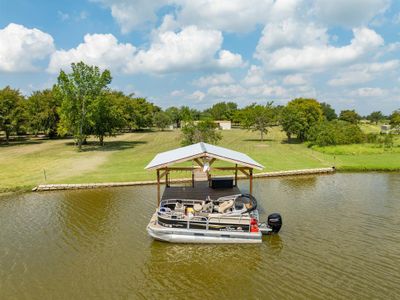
x=340 y=240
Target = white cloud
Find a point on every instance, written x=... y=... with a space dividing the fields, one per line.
x=133 y=15
x=227 y=60
x=224 y=15
x=267 y=90
x=102 y=50
x=237 y=91
x=224 y=91
x=214 y=79
x=197 y=96
x=316 y=56
x=21 y=47
x=254 y=76
x=369 y=92
x=295 y=79
x=177 y=93
x=233 y=15
x=350 y=78
x=189 y=49
x=348 y=13
x=168 y=24
x=392 y=47
x=361 y=73
x=293 y=34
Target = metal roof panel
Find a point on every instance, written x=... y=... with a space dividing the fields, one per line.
x=187 y=153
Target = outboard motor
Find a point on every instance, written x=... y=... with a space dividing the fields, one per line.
x=275 y=222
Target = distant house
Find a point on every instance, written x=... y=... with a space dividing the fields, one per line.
x=385 y=129
x=224 y=125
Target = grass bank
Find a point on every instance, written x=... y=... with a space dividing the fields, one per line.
x=124 y=157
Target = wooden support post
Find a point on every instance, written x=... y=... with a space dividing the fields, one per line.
x=158 y=188
x=236 y=170
x=251 y=182
x=166 y=178
x=192 y=178
x=212 y=161
x=199 y=162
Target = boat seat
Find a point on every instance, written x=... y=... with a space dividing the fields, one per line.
x=179 y=207
x=218 y=218
x=224 y=206
x=197 y=207
x=208 y=207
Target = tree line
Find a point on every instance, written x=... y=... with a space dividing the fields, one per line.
x=81 y=104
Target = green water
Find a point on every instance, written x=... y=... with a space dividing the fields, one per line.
x=340 y=240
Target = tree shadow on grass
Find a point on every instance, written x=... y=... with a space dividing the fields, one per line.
x=258 y=140
x=291 y=141
x=108 y=146
x=16 y=141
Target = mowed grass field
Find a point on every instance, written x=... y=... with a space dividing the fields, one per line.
x=123 y=158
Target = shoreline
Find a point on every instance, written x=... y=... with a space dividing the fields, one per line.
x=78 y=186
x=288 y=173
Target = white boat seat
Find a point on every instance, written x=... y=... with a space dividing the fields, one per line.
x=179 y=207
x=224 y=206
x=218 y=218
x=208 y=207
x=197 y=207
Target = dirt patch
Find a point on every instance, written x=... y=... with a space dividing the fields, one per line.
x=78 y=166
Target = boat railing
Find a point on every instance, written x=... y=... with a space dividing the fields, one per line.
x=186 y=201
x=198 y=219
x=164 y=211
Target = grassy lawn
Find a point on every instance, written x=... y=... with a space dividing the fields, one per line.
x=124 y=157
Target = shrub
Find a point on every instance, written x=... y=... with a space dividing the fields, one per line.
x=203 y=131
x=335 y=133
x=372 y=138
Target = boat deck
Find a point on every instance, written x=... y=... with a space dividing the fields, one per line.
x=200 y=191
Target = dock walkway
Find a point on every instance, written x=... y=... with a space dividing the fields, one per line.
x=54 y=187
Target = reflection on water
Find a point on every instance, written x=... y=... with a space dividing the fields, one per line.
x=340 y=239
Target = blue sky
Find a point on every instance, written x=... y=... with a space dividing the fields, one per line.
x=198 y=52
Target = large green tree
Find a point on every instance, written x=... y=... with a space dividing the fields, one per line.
x=105 y=117
x=292 y=121
x=299 y=116
x=201 y=131
x=175 y=115
x=188 y=114
x=79 y=90
x=328 y=111
x=259 y=118
x=11 y=111
x=222 y=111
x=350 y=116
x=375 y=117
x=161 y=120
x=42 y=112
x=143 y=113
x=395 y=120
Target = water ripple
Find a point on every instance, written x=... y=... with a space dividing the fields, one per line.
x=340 y=240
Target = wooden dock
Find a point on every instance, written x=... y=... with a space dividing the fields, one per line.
x=200 y=191
x=55 y=187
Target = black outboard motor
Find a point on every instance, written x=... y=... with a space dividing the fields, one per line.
x=275 y=222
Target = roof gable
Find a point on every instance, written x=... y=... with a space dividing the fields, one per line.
x=201 y=149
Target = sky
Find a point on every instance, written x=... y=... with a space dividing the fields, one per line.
x=199 y=52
